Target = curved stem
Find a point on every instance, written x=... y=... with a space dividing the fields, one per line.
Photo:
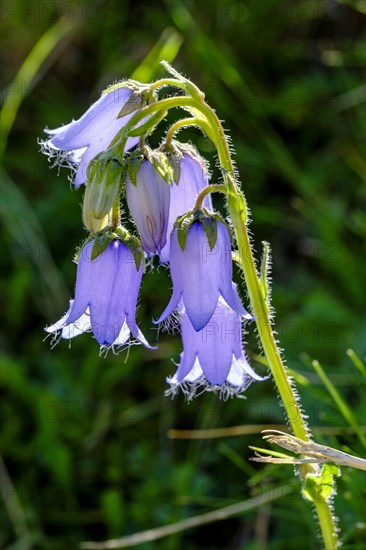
x=212 y=188
x=181 y=123
x=120 y=140
x=178 y=82
x=167 y=82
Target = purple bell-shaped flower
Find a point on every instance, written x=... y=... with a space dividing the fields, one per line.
x=106 y=295
x=213 y=358
x=81 y=140
x=201 y=274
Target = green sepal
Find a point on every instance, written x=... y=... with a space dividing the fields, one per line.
x=174 y=156
x=183 y=224
x=210 y=227
x=319 y=486
x=93 y=167
x=161 y=164
x=175 y=151
x=148 y=126
x=133 y=85
x=104 y=237
x=174 y=161
x=133 y=166
x=133 y=244
x=134 y=103
x=208 y=220
x=102 y=240
x=138 y=88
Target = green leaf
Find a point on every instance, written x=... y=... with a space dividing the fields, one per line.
x=344 y=408
x=357 y=361
x=166 y=47
x=319 y=487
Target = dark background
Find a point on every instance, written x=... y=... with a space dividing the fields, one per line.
x=84 y=443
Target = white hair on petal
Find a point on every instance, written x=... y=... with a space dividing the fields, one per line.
x=191 y=390
x=118 y=348
x=55 y=338
x=60 y=158
x=171 y=325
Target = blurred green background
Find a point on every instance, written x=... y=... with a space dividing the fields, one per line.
x=84 y=440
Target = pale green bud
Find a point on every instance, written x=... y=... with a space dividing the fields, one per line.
x=91 y=223
x=104 y=179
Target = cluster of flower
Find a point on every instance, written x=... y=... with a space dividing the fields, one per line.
x=161 y=187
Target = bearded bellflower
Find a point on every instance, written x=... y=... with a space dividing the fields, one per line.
x=148 y=199
x=201 y=270
x=81 y=140
x=213 y=358
x=106 y=295
x=188 y=180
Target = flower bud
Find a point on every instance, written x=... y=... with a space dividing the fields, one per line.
x=91 y=223
x=104 y=180
x=148 y=198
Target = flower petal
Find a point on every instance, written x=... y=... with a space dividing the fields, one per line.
x=61 y=323
x=173 y=303
x=109 y=288
x=78 y=327
x=246 y=368
x=98 y=125
x=201 y=275
x=92 y=133
x=231 y=297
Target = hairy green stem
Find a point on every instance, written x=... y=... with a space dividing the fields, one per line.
x=238 y=213
x=327 y=525
x=212 y=188
x=116 y=213
x=182 y=123
x=119 y=143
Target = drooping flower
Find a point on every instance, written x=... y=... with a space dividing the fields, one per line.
x=148 y=199
x=213 y=358
x=106 y=295
x=193 y=178
x=201 y=274
x=81 y=140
